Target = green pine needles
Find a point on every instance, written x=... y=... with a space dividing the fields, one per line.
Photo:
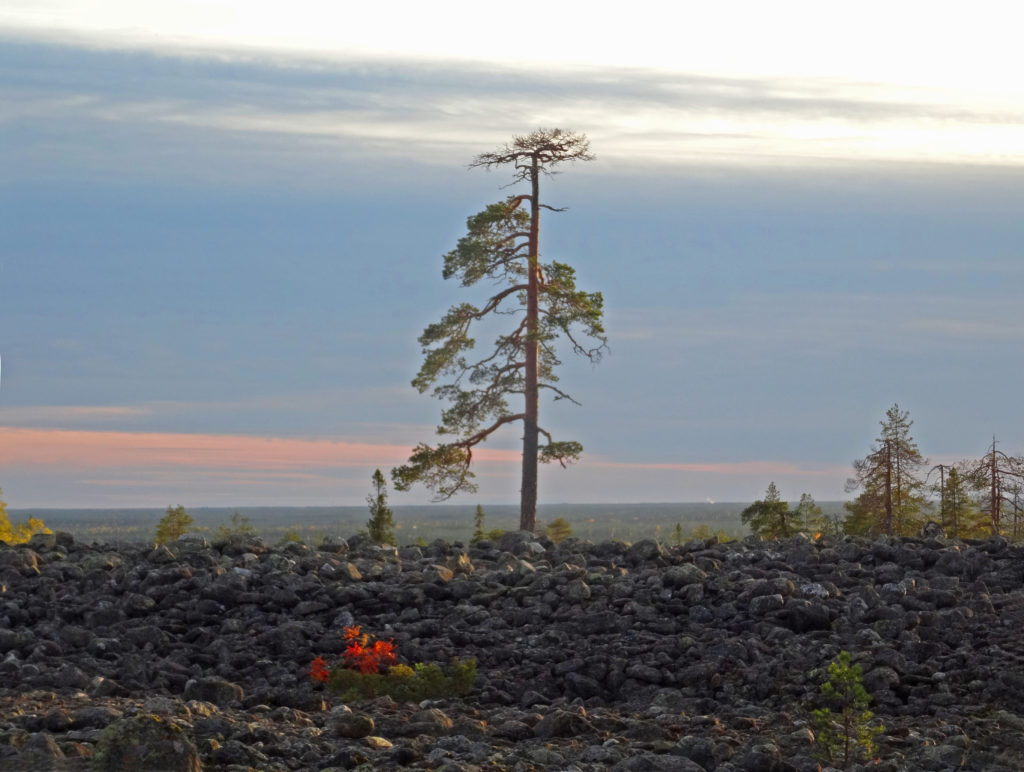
x=845 y=727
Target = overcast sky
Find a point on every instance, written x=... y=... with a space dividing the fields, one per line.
x=222 y=227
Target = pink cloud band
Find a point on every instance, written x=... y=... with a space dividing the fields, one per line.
x=100 y=449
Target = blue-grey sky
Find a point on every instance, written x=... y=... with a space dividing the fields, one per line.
x=222 y=232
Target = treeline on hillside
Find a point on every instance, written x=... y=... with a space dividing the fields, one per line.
x=900 y=491
x=412 y=522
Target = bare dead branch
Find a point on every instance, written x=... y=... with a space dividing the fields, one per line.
x=561 y=394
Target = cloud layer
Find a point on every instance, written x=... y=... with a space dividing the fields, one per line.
x=193 y=115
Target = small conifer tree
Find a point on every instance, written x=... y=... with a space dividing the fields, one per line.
x=175 y=522
x=381 y=525
x=845 y=726
x=809 y=516
x=478 y=526
x=558 y=530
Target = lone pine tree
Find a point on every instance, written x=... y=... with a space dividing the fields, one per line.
x=889 y=478
x=381 y=525
x=502 y=246
x=478 y=526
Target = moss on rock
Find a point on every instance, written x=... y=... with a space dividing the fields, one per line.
x=143 y=743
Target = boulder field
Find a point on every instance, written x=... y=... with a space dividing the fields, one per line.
x=705 y=656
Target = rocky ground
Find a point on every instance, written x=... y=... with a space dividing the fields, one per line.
x=591 y=656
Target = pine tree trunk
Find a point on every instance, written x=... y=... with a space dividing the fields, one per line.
x=528 y=492
x=994 y=492
x=888 y=488
x=942 y=498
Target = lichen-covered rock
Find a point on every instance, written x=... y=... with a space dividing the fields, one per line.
x=145 y=743
x=38 y=751
x=349 y=724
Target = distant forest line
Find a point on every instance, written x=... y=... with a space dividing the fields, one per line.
x=596 y=522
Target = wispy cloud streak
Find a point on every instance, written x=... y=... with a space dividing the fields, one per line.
x=765 y=468
x=74 y=414
x=29 y=447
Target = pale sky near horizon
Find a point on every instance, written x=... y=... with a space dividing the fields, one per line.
x=223 y=225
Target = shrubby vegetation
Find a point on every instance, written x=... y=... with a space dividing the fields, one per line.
x=406 y=684
x=290 y=535
x=175 y=523
x=370 y=668
x=18 y=533
x=703 y=532
x=558 y=530
x=239 y=526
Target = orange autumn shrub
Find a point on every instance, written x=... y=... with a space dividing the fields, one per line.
x=369 y=668
x=365 y=657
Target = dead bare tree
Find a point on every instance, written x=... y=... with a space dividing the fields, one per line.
x=994 y=476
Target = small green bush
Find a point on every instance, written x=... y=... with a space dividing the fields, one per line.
x=240 y=526
x=406 y=684
x=558 y=530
